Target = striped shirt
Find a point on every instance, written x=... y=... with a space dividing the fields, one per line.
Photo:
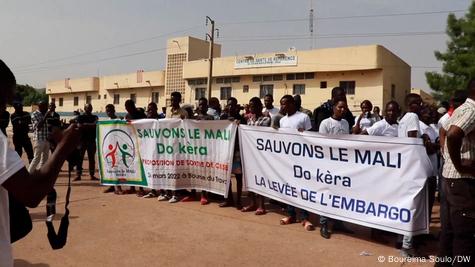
x=40 y=132
x=261 y=121
x=464 y=118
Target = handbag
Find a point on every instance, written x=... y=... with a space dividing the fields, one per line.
x=20 y=220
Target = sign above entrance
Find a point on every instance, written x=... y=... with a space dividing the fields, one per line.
x=261 y=62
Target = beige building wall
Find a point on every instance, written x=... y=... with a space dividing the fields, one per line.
x=378 y=74
x=101 y=91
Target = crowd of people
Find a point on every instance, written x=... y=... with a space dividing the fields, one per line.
x=446 y=132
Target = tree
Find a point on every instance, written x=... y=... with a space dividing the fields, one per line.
x=30 y=95
x=459 y=59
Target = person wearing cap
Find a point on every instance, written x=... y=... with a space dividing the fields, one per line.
x=21 y=122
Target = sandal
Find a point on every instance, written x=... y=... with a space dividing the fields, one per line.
x=260 y=211
x=287 y=220
x=248 y=208
x=308 y=225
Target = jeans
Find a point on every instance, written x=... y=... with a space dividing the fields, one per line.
x=90 y=147
x=41 y=153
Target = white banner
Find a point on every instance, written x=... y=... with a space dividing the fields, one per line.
x=377 y=182
x=168 y=153
x=260 y=62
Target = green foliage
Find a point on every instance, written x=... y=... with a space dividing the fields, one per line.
x=30 y=95
x=458 y=60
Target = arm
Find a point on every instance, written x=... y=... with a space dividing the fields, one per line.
x=357 y=127
x=442 y=134
x=454 y=144
x=32 y=188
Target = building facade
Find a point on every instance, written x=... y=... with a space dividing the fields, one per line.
x=366 y=72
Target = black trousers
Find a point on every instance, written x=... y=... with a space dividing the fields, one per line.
x=90 y=147
x=23 y=142
x=457 y=215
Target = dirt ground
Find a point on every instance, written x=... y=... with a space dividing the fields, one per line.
x=113 y=230
x=125 y=230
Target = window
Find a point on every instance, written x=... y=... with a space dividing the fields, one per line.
x=299 y=89
x=133 y=97
x=300 y=76
x=266 y=89
x=257 y=78
x=245 y=88
x=291 y=76
x=227 y=80
x=53 y=100
x=199 y=93
x=219 y=80
x=267 y=78
x=155 y=96
x=225 y=93
x=60 y=101
x=236 y=79
x=105 y=96
x=88 y=99
x=348 y=86
x=309 y=75
x=323 y=84
x=116 y=99
x=393 y=91
x=278 y=77
x=76 y=101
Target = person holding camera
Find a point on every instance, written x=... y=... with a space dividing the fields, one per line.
x=28 y=188
x=366 y=118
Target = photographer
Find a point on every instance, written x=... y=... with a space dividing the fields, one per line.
x=28 y=188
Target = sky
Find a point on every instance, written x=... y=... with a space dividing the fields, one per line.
x=57 y=39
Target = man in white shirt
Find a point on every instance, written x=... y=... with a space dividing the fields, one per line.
x=387 y=126
x=28 y=188
x=409 y=127
x=269 y=107
x=295 y=120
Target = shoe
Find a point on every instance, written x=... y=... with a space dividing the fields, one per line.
x=150 y=195
x=163 y=198
x=110 y=189
x=204 y=201
x=173 y=199
x=94 y=178
x=324 y=231
x=226 y=204
x=408 y=252
x=188 y=199
x=78 y=178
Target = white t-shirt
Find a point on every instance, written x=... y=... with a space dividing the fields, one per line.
x=335 y=127
x=383 y=128
x=408 y=123
x=365 y=122
x=10 y=163
x=432 y=134
x=298 y=120
x=272 y=112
